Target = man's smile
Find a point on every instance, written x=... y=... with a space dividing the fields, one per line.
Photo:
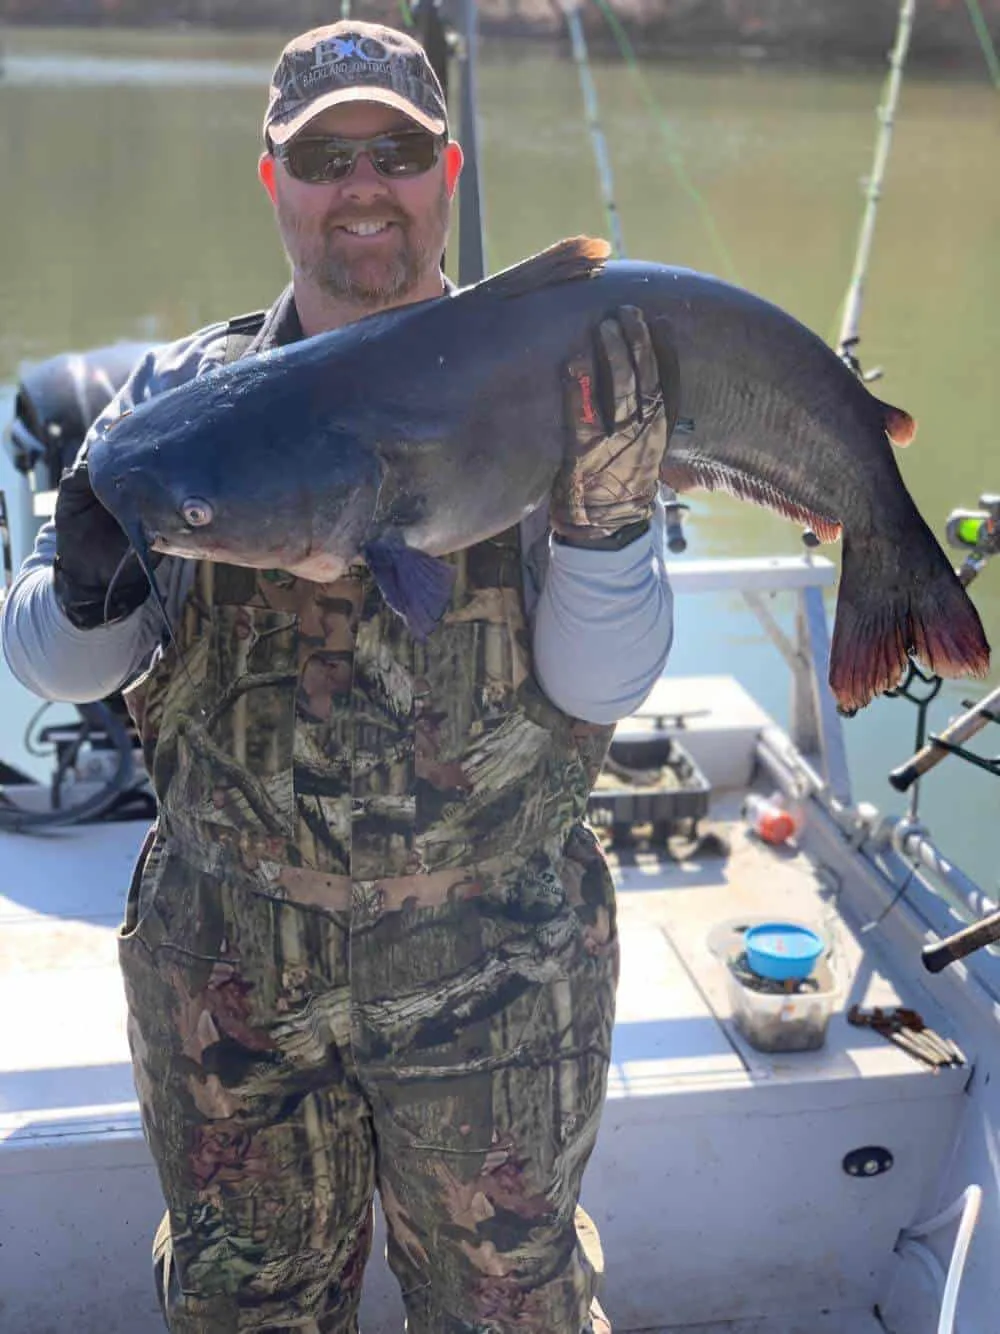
x=370 y=227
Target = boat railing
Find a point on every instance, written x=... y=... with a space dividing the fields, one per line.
x=808 y=762
x=815 y=726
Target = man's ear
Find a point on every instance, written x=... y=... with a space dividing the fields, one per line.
x=453 y=159
x=265 y=170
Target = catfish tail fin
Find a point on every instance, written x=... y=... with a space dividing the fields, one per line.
x=928 y=615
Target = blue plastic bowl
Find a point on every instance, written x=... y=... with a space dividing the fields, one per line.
x=782 y=951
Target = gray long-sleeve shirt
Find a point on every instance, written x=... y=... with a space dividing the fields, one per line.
x=601 y=634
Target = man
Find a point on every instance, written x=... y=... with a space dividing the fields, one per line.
x=370 y=943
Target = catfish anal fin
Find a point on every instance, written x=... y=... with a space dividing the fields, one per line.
x=416 y=586
x=687 y=473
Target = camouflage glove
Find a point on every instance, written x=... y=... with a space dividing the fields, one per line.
x=90 y=547
x=617 y=436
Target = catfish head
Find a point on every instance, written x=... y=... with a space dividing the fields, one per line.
x=192 y=491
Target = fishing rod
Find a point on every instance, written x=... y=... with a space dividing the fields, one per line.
x=964 y=528
x=850 y=325
x=949 y=742
x=978 y=533
x=952 y=949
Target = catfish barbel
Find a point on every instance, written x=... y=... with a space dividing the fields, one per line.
x=421 y=431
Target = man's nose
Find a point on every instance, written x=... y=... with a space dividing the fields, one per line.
x=364 y=181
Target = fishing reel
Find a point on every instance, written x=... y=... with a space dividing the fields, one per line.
x=673 y=517
x=976 y=532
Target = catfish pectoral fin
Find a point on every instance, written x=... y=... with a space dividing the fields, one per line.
x=928 y=613
x=416 y=586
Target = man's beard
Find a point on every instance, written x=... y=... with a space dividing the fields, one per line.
x=370 y=282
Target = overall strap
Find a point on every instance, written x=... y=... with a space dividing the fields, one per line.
x=261 y=330
x=240 y=334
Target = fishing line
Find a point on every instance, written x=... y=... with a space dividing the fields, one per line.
x=674 y=157
x=672 y=507
x=581 y=57
x=985 y=41
x=140 y=550
x=32 y=747
x=119 y=569
x=5 y=549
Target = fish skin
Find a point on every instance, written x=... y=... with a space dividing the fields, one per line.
x=437 y=425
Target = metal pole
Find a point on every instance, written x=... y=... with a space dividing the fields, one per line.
x=912 y=842
x=471 y=250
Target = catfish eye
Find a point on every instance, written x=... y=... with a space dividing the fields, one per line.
x=196 y=513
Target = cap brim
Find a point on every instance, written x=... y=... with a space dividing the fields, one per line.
x=282 y=131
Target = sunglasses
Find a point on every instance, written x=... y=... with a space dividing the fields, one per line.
x=330 y=158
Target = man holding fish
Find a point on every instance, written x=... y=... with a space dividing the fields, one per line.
x=370 y=942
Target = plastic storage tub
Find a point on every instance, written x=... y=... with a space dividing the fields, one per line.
x=785 y=1020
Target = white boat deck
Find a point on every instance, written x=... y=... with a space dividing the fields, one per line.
x=836 y=1322
x=717 y=1183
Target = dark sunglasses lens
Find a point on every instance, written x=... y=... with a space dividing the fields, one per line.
x=408 y=155
x=332 y=159
x=318 y=160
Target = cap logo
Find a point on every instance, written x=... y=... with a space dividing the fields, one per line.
x=344 y=48
x=351 y=59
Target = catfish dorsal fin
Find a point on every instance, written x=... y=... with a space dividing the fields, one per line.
x=576 y=257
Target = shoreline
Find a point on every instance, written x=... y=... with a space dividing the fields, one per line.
x=811 y=32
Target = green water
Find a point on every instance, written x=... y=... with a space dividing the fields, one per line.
x=131 y=210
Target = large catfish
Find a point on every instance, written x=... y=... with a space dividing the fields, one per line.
x=418 y=432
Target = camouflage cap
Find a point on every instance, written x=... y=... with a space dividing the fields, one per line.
x=352 y=62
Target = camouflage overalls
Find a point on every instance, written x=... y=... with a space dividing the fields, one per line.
x=370 y=944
